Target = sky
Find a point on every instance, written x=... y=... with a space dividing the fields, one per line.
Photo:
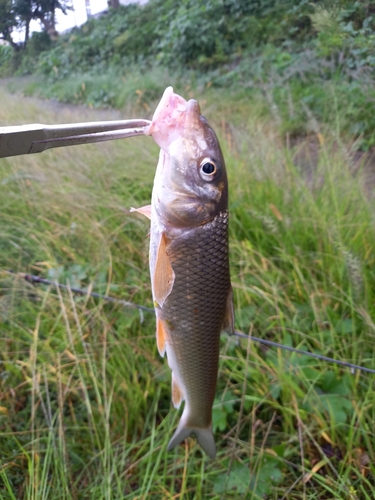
x=79 y=15
x=73 y=18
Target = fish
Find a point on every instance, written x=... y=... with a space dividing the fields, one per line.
x=189 y=260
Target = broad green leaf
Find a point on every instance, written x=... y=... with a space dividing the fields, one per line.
x=259 y=482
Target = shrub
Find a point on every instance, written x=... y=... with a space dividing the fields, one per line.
x=6 y=53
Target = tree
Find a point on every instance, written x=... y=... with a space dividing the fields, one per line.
x=114 y=4
x=24 y=13
x=8 y=22
x=44 y=11
x=19 y=13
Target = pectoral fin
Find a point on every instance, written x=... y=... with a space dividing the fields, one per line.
x=146 y=210
x=163 y=279
x=228 y=325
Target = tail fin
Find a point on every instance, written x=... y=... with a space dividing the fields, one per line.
x=204 y=437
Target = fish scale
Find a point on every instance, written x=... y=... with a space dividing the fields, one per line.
x=195 y=311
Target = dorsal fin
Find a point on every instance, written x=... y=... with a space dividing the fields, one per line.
x=146 y=211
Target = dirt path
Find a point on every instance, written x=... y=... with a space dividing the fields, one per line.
x=62 y=112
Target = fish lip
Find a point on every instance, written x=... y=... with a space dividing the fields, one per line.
x=193 y=115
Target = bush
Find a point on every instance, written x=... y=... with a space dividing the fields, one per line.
x=6 y=53
x=39 y=42
x=186 y=33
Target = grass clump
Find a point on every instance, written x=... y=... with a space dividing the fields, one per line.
x=85 y=406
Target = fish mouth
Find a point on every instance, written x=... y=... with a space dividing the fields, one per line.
x=174 y=117
x=168 y=122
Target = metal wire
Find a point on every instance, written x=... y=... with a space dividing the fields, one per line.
x=306 y=353
x=30 y=278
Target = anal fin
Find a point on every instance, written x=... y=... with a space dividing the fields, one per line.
x=177 y=394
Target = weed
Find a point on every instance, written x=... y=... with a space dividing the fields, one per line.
x=85 y=407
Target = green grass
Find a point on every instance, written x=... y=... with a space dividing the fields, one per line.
x=85 y=410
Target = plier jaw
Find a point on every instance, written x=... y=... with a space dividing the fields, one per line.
x=35 y=138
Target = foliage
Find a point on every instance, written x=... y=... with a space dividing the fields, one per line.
x=85 y=407
x=5 y=59
x=185 y=33
x=241 y=481
x=42 y=10
x=19 y=13
x=303 y=60
x=39 y=42
x=8 y=22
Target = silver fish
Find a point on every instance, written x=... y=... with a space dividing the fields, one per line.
x=189 y=259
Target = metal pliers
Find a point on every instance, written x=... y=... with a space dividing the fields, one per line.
x=35 y=138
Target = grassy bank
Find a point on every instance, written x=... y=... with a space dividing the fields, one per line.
x=85 y=406
x=305 y=63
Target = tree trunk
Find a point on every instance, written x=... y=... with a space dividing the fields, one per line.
x=27 y=32
x=48 y=25
x=115 y=4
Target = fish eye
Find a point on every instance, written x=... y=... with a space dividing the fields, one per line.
x=208 y=169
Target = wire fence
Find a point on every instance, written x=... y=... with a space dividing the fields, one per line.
x=30 y=278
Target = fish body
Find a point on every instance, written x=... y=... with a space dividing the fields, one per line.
x=189 y=261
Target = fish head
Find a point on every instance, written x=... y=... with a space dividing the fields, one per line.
x=190 y=185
